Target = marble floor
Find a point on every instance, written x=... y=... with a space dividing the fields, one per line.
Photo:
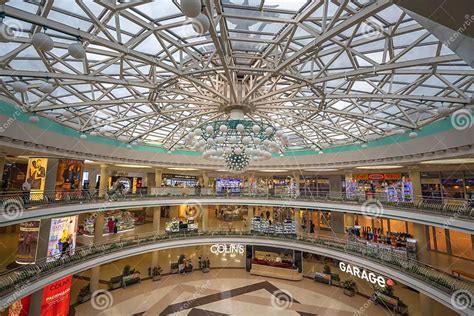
x=228 y=292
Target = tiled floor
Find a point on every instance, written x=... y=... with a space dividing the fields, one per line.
x=230 y=292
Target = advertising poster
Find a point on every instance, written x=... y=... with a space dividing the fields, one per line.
x=62 y=237
x=56 y=297
x=20 y=307
x=69 y=176
x=36 y=173
x=27 y=242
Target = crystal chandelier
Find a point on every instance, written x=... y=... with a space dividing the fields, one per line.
x=237 y=141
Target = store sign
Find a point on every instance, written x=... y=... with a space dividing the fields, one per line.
x=27 y=242
x=20 y=307
x=62 y=237
x=362 y=274
x=227 y=248
x=56 y=298
x=378 y=176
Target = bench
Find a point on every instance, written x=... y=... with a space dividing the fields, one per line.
x=463 y=273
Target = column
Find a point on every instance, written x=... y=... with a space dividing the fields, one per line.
x=426 y=304
x=158 y=177
x=205 y=180
x=205 y=218
x=448 y=241
x=414 y=175
x=348 y=179
x=98 y=237
x=104 y=179
x=335 y=185
x=318 y=221
x=421 y=242
x=92 y=179
x=250 y=215
x=2 y=166
x=298 y=221
x=41 y=253
x=349 y=220
x=156 y=229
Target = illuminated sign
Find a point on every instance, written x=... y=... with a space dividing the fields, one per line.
x=56 y=297
x=227 y=248
x=362 y=274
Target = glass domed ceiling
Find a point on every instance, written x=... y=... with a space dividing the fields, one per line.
x=325 y=74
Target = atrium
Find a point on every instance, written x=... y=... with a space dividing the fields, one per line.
x=236 y=157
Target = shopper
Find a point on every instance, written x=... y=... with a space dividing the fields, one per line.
x=111 y=225
x=311 y=227
x=115 y=226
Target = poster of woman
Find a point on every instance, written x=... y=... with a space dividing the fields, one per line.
x=36 y=173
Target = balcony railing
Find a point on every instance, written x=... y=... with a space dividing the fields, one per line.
x=13 y=280
x=453 y=207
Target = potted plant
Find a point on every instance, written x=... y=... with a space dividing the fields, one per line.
x=349 y=287
x=115 y=282
x=126 y=270
x=326 y=269
x=335 y=280
x=156 y=273
x=84 y=294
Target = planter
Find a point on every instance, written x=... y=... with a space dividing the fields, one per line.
x=205 y=270
x=156 y=277
x=349 y=292
x=83 y=298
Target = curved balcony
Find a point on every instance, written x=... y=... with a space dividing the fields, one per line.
x=424 y=278
x=457 y=214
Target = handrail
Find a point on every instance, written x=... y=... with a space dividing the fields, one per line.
x=458 y=207
x=11 y=280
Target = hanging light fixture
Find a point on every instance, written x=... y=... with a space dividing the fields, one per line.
x=6 y=33
x=19 y=86
x=201 y=24
x=191 y=8
x=413 y=134
x=76 y=50
x=46 y=87
x=237 y=141
x=83 y=136
x=34 y=119
x=42 y=42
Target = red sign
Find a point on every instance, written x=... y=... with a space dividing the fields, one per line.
x=378 y=176
x=56 y=298
x=20 y=307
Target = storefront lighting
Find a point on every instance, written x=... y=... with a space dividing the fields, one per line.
x=321 y=170
x=273 y=170
x=183 y=169
x=132 y=166
x=458 y=161
x=379 y=167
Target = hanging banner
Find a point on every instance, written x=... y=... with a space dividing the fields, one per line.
x=27 y=242
x=62 y=237
x=69 y=176
x=36 y=176
x=56 y=297
x=20 y=307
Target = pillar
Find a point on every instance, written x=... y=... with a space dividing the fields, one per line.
x=98 y=237
x=335 y=184
x=156 y=229
x=349 y=220
x=104 y=179
x=298 y=221
x=41 y=253
x=205 y=180
x=158 y=177
x=205 y=218
x=250 y=215
x=318 y=221
x=2 y=166
x=92 y=179
x=348 y=179
x=421 y=242
x=448 y=241
x=426 y=304
x=414 y=175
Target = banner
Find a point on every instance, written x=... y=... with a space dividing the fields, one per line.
x=27 y=242
x=69 y=176
x=36 y=176
x=20 y=307
x=377 y=176
x=62 y=237
x=56 y=297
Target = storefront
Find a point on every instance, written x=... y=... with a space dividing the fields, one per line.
x=228 y=185
x=313 y=186
x=116 y=221
x=448 y=185
x=179 y=180
x=393 y=187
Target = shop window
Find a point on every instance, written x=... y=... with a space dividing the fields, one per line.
x=461 y=244
x=453 y=188
x=397 y=226
x=440 y=239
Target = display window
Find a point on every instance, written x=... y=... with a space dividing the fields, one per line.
x=116 y=221
x=461 y=244
x=453 y=188
x=179 y=180
x=392 y=187
x=224 y=185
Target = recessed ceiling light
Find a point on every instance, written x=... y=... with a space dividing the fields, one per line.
x=89 y=161
x=379 y=167
x=132 y=166
x=321 y=170
x=183 y=169
x=456 y=161
x=273 y=170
